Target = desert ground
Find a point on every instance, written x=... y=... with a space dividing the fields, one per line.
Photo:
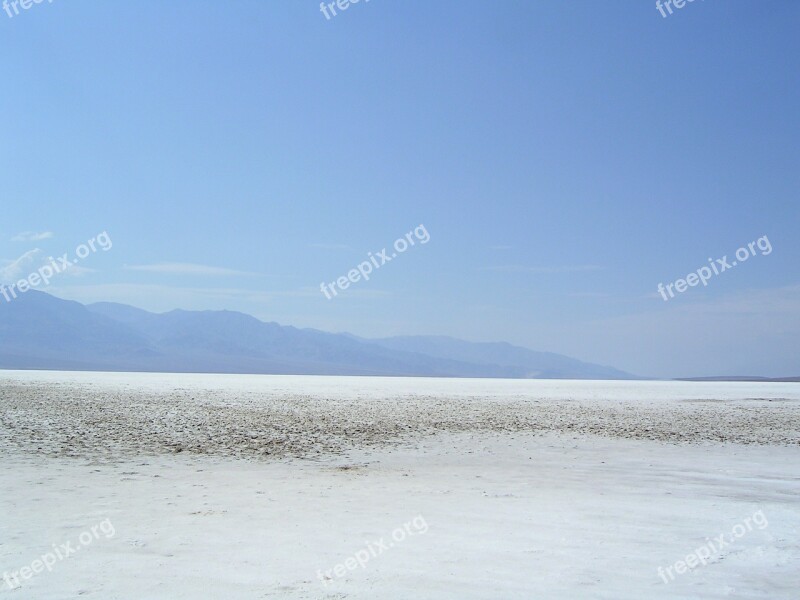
x=185 y=486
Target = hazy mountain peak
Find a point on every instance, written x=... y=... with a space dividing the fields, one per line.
x=111 y=336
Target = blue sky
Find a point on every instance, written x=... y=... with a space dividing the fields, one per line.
x=565 y=158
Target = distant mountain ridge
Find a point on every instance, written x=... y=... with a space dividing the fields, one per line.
x=528 y=363
x=40 y=331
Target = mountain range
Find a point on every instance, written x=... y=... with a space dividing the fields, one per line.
x=41 y=331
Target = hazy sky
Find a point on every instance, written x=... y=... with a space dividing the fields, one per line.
x=565 y=158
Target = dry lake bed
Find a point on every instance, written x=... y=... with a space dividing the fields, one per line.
x=123 y=486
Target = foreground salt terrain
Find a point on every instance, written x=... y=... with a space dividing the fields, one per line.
x=258 y=487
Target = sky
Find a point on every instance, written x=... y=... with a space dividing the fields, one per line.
x=563 y=158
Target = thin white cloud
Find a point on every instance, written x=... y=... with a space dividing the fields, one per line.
x=187 y=269
x=30 y=262
x=77 y=271
x=542 y=270
x=32 y=236
x=16 y=268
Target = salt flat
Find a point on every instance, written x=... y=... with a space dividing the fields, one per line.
x=257 y=487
